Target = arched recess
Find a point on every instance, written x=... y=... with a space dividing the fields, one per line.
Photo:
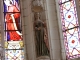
x=40 y=29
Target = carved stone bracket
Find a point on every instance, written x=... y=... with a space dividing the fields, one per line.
x=35 y=7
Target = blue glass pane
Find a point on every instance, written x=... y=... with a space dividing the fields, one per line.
x=10 y=5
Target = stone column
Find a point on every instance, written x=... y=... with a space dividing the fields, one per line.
x=2 y=42
x=53 y=30
x=63 y=52
x=23 y=27
x=28 y=32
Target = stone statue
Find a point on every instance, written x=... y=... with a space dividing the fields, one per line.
x=42 y=45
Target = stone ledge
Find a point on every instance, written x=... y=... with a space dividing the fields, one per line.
x=43 y=58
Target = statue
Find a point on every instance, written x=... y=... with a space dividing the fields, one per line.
x=42 y=44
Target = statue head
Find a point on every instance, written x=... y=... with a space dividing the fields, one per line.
x=37 y=16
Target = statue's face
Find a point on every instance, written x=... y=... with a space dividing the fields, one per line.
x=37 y=16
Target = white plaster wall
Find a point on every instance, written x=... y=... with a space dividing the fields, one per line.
x=53 y=29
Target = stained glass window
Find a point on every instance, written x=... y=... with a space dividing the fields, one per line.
x=70 y=27
x=14 y=55
x=13 y=31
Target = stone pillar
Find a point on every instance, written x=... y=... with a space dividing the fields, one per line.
x=28 y=32
x=63 y=52
x=53 y=30
x=2 y=42
x=23 y=28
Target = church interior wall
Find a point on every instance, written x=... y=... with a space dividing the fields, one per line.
x=51 y=15
x=52 y=23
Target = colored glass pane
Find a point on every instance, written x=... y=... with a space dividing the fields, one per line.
x=12 y=20
x=8 y=4
x=62 y=1
x=13 y=31
x=18 y=27
x=13 y=36
x=14 y=55
x=14 y=45
x=70 y=28
x=68 y=13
